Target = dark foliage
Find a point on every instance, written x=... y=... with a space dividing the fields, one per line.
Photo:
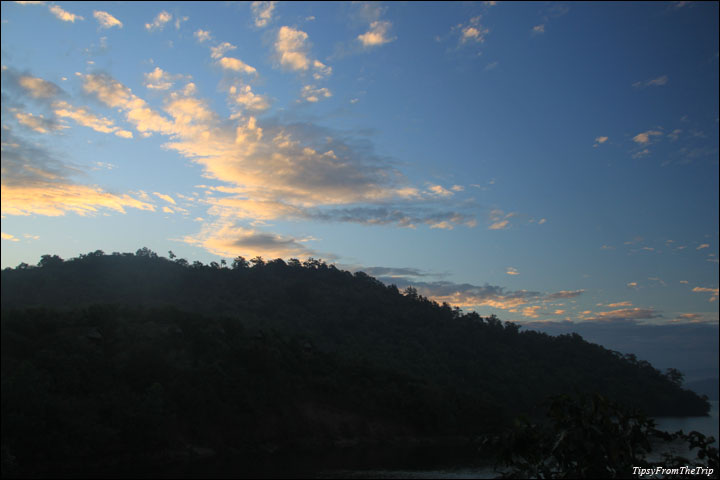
x=590 y=437
x=137 y=356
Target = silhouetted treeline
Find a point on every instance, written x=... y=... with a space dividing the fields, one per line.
x=140 y=355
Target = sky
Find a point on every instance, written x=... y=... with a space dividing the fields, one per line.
x=553 y=163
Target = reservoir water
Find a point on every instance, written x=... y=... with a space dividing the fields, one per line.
x=705 y=425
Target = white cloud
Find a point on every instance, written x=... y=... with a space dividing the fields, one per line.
x=106 y=20
x=645 y=137
x=230 y=63
x=377 y=34
x=512 y=271
x=312 y=94
x=321 y=70
x=245 y=97
x=220 y=50
x=262 y=12
x=713 y=291
x=158 y=80
x=7 y=236
x=159 y=22
x=83 y=117
x=472 y=32
x=291 y=46
x=64 y=15
x=538 y=29
x=655 y=82
x=202 y=35
x=600 y=141
x=167 y=198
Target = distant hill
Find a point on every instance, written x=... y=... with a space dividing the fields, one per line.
x=708 y=387
x=139 y=354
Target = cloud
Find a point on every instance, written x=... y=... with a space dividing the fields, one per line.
x=262 y=12
x=619 y=304
x=37 y=123
x=228 y=240
x=167 y=198
x=531 y=312
x=467 y=295
x=440 y=191
x=394 y=272
x=635 y=313
x=202 y=35
x=377 y=34
x=273 y=170
x=655 y=82
x=34 y=182
x=83 y=117
x=230 y=63
x=713 y=291
x=645 y=137
x=244 y=96
x=564 y=294
x=471 y=33
x=600 y=141
x=7 y=236
x=321 y=70
x=704 y=245
x=159 y=80
x=538 y=29
x=37 y=87
x=63 y=15
x=106 y=20
x=291 y=47
x=218 y=51
x=512 y=271
x=500 y=220
x=312 y=94
x=159 y=22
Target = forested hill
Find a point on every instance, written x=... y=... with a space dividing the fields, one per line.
x=253 y=352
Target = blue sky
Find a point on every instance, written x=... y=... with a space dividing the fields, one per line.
x=546 y=162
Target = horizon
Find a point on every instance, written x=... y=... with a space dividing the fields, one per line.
x=543 y=163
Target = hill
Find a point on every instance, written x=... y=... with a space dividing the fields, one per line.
x=142 y=356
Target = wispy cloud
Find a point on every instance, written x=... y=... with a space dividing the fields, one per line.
x=275 y=170
x=312 y=94
x=202 y=35
x=644 y=138
x=34 y=182
x=599 y=141
x=63 y=15
x=712 y=291
x=635 y=313
x=106 y=20
x=538 y=29
x=378 y=34
x=83 y=117
x=654 y=82
x=237 y=65
x=159 y=22
x=228 y=240
x=262 y=12
x=472 y=32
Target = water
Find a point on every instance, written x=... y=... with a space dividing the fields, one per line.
x=705 y=425
x=708 y=426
